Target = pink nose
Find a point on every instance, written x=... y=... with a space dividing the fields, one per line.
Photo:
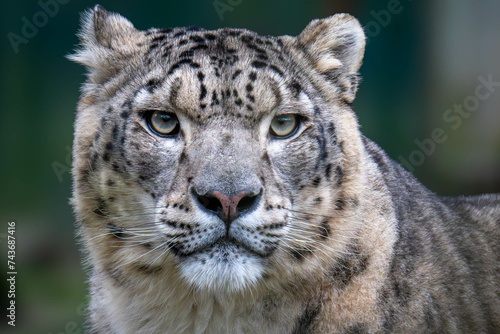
x=226 y=207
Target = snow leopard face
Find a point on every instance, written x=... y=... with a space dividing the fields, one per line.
x=219 y=159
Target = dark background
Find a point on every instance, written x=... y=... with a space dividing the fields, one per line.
x=421 y=59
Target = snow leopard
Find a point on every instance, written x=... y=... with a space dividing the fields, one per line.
x=221 y=184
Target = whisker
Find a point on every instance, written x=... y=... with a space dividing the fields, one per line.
x=317 y=225
x=132 y=216
x=140 y=256
x=318 y=215
x=337 y=233
x=320 y=245
x=164 y=251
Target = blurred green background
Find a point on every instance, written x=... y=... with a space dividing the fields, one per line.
x=423 y=57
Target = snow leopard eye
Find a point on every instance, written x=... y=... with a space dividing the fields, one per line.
x=284 y=126
x=162 y=123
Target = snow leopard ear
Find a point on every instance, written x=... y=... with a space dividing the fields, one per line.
x=108 y=41
x=336 y=46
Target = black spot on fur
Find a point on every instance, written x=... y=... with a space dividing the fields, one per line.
x=324 y=230
x=125 y=114
x=152 y=85
x=328 y=170
x=402 y=292
x=210 y=37
x=317 y=111
x=164 y=30
x=262 y=56
x=153 y=46
x=116 y=167
x=353 y=263
x=215 y=100
x=177 y=65
x=182 y=157
x=200 y=76
x=331 y=129
x=85 y=174
x=339 y=172
x=198 y=47
x=101 y=208
x=166 y=52
x=252 y=76
x=300 y=254
x=203 y=91
x=197 y=39
x=187 y=54
x=340 y=204
x=93 y=161
x=276 y=69
x=249 y=87
x=234 y=33
x=96 y=138
x=322 y=144
x=117 y=232
x=304 y=324
x=127 y=106
x=316 y=182
x=236 y=74
x=247 y=39
x=105 y=156
x=114 y=132
x=109 y=147
x=261 y=53
x=258 y=64
x=295 y=88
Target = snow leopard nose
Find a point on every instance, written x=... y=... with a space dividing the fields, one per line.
x=226 y=207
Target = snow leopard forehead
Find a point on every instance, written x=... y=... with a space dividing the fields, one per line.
x=217 y=74
x=224 y=67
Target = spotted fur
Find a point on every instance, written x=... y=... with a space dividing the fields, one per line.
x=331 y=236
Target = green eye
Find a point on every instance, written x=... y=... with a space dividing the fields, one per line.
x=284 y=126
x=163 y=123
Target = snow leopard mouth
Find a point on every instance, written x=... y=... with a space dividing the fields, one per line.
x=224 y=247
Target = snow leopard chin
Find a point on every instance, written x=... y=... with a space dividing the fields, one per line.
x=225 y=268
